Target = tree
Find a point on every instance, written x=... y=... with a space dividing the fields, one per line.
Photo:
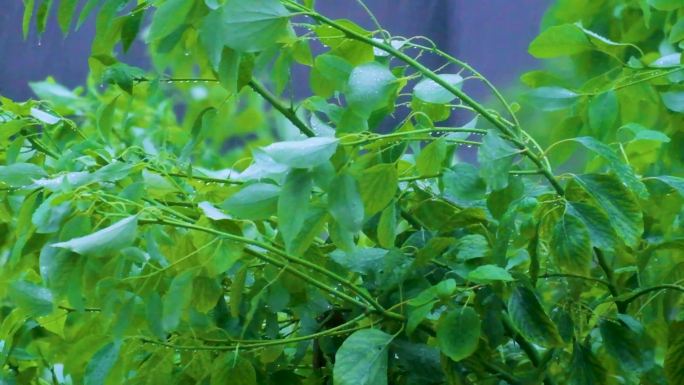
x=337 y=239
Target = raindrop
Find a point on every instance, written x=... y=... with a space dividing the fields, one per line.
x=187 y=53
x=40 y=41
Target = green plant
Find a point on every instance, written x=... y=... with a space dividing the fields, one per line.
x=328 y=249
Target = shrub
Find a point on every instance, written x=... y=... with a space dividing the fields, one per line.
x=342 y=238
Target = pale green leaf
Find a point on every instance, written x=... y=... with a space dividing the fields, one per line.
x=496 y=157
x=305 y=153
x=430 y=159
x=345 y=202
x=377 y=186
x=101 y=364
x=293 y=205
x=560 y=40
x=429 y=91
x=108 y=240
x=255 y=201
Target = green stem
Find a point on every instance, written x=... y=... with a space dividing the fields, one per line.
x=286 y=111
x=647 y=290
x=621 y=305
x=479 y=108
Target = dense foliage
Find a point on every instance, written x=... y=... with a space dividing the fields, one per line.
x=193 y=223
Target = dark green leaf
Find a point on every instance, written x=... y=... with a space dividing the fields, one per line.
x=458 y=333
x=293 y=205
x=496 y=160
x=585 y=369
x=101 y=364
x=345 y=202
x=362 y=359
x=530 y=319
x=571 y=244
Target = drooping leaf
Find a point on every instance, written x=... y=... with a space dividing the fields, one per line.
x=105 y=241
x=35 y=299
x=429 y=161
x=674 y=358
x=618 y=202
x=234 y=370
x=176 y=299
x=370 y=88
x=305 y=153
x=598 y=224
x=560 y=40
x=377 y=186
x=293 y=205
x=603 y=112
x=249 y=26
x=496 y=160
x=429 y=91
x=585 y=369
x=20 y=174
x=622 y=170
x=362 y=359
x=101 y=364
x=169 y=16
x=626 y=345
x=458 y=333
x=530 y=318
x=489 y=273
x=255 y=201
x=571 y=244
x=345 y=202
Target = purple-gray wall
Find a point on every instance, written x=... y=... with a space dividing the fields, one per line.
x=491 y=35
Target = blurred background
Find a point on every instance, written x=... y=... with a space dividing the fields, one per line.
x=491 y=35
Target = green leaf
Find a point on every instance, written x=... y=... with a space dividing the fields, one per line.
x=345 y=203
x=598 y=224
x=636 y=132
x=618 y=203
x=560 y=40
x=305 y=153
x=429 y=91
x=603 y=112
x=677 y=32
x=123 y=75
x=627 y=346
x=108 y=240
x=65 y=14
x=293 y=205
x=552 y=98
x=29 y=5
x=49 y=216
x=463 y=182
x=176 y=299
x=169 y=16
x=458 y=333
x=571 y=245
x=20 y=174
x=250 y=26
x=675 y=183
x=387 y=226
x=621 y=169
x=496 y=160
x=666 y=5
x=585 y=368
x=530 y=319
x=362 y=359
x=472 y=246
x=255 y=201
x=105 y=118
x=130 y=29
x=37 y=300
x=229 y=369
x=489 y=273
x=673 y=100
x=42 y=15
x=101 y=364
x=431 y=157
x=377 y=186
x=674 y=358
x=370 y=88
